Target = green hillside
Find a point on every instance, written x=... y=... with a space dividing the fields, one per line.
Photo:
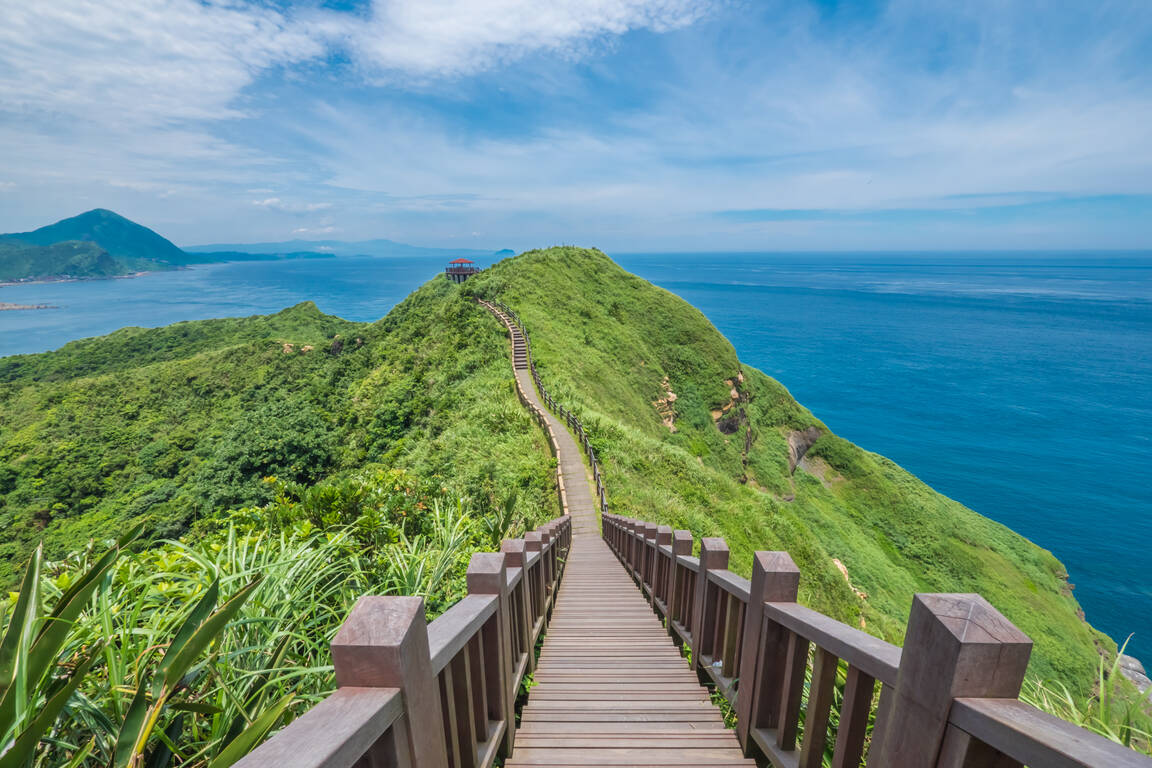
x=121 y=237
x=176 y=424
x=98 y=243
x=23 y=261
x=612 y=346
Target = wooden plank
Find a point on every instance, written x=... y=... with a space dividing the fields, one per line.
x=821 y=691
x=796 y=663
x=858 y=692
x=1037 y=738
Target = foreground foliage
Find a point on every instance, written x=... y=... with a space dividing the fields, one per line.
x=191 y=652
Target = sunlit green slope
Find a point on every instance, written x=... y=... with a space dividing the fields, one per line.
x=721 y=459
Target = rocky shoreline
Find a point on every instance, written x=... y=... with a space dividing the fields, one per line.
x=4 y=307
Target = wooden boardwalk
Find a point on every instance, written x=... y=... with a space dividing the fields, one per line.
x=611 y=687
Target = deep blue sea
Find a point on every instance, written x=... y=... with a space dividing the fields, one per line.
x=1019 y=384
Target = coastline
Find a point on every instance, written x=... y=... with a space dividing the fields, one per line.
x=50 y=280
x=6 y=307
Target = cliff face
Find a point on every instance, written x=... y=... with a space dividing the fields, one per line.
x=734 y=455
x=173 y=423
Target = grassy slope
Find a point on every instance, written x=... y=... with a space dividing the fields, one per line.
x=175 y=422
x=178 y=421
x=605 y=340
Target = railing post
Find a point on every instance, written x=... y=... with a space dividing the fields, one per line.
x=955 y=646
x=713 y=557
x=487 y=575
x=384 y=644
x=515 y=557
x=659 y=573
x=546 y=547
x=538 y=595
x=775 y=579
x=681 y=545
x=648 y=557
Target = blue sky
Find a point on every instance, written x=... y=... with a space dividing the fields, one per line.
x=624 y=124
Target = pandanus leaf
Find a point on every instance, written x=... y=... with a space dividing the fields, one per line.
x=198 y=632
x=19 y=630
x=252 y=735
x=24 y=746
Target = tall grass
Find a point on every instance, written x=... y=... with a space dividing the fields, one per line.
x=191 y=653
x=1115 y=711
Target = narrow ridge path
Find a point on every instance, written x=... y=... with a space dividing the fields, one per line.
x=611 y=687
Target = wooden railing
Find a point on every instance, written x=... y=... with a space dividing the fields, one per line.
x=947 y=699
x=440 y=694
x=560 y=411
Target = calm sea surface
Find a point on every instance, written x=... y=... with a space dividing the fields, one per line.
x=1020 y=385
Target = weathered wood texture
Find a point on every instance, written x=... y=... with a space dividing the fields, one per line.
x=611 y=688
x=948 y=699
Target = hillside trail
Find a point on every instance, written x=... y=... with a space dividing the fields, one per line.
x=611 y=688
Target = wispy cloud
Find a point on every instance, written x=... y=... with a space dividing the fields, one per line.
x=454 y=37
x=276 y=204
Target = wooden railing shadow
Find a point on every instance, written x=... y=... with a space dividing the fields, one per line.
x=439 y=694
x=947 y=699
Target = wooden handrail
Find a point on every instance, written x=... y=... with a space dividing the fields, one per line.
x=870 y=654
x=947 y=699
x=1030 y=737
x=432 y=695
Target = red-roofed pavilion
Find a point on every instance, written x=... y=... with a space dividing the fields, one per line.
x=459 y=270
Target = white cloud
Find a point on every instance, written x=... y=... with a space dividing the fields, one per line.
x=315 y=230
x=149 y=62
x=276 y=204
x=449 y=37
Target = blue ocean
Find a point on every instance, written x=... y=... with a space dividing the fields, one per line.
x=1019 y=384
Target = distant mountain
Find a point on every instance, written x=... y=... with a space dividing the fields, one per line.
x=102 y=243
x=121 y=237
x=98 y=243
x=337 y=248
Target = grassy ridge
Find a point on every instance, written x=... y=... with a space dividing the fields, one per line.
x=174 y=423
x=613 y=346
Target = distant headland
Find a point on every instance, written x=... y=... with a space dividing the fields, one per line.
x=100 y=244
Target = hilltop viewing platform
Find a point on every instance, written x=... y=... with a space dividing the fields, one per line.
x=459 y=270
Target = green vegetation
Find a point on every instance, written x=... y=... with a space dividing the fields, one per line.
x=612 y=346
x=191 y=652
x=26 y=261
x=381 y=455
x=127 y=246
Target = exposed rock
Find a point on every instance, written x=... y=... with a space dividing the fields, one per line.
x=664 y=406
x=859 y=593
x=1135 y=673
x=798 y=445
x=819 y=469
